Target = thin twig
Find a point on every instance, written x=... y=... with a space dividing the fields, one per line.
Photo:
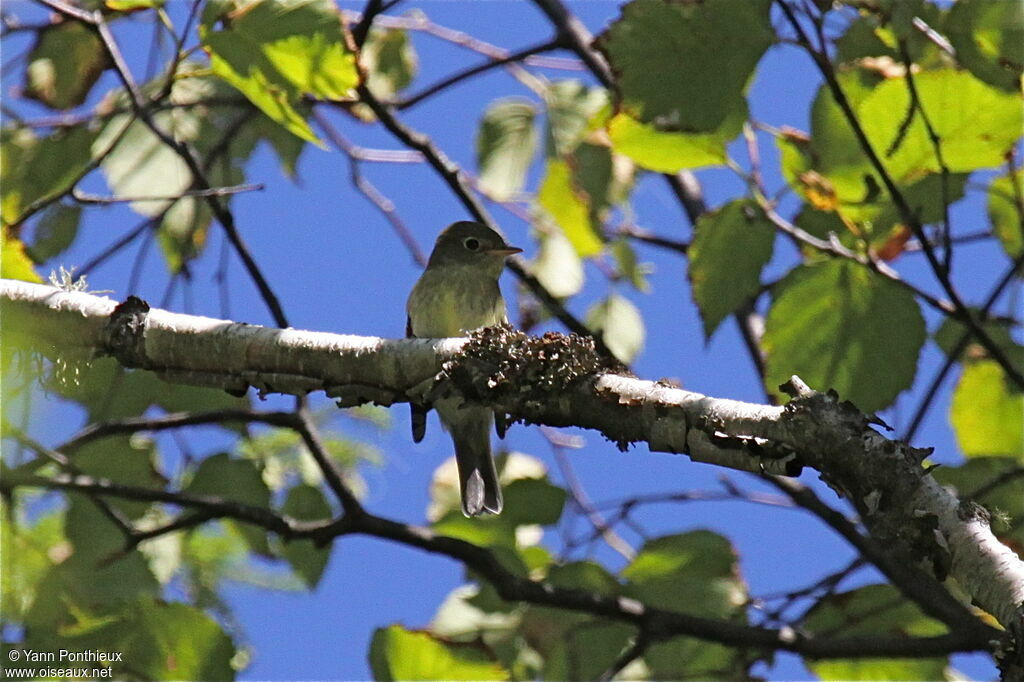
x=85 y=198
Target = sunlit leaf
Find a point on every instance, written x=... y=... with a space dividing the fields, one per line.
x=729 y=249
x=557 y=266
x=400 y=654
x=27 y=551
x=670 y=152
x=976 y=123
x=986 y=413
x=1006 y=211
x=14 y=262
x=568 y=209
x=35 y=168
x=620 y=325
x=505 y=145
x=275 y=52
x=237 y=480
x=65 y=62
x=838 y=325
x=665 y=72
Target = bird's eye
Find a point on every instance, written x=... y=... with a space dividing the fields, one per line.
x=471 y=243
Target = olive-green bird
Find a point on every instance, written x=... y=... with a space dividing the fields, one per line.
x=457 y=293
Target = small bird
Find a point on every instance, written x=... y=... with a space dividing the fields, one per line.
x=457 y=293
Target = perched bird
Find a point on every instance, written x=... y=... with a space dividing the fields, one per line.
x=457 y=293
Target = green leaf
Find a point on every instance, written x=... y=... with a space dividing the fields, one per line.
x=459 y=619
x=571 y=106
x=620 y=325
x=648 y=44
x=949 y=334
x=570 y=211
x=533 y=501
x=124 y=460
x=1005 y=214
x=986 y=413
x=400 y=654
x=275 y=52
x=671 y=152
x=838 y=325
x=557 y=266
x=307 y=503
x=988 y=36
x=505 y=145
x=55 y=231
x=65 y=62
x=35 y=168
x=14 y=263
x=976 y=123
x=235 y=480
x=390 y=61
x=26 y=549
x=695 y=573
x=729 y=249
x=872 y=610
x=174 y=641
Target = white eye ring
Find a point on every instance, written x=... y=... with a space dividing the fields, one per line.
x=471 y=243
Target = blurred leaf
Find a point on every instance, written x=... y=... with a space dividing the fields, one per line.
x=838 y=325
x=490 y=531
x=576 y=646
x=562 y=202
x=988 y=36
x=125 y=460
x=633 y=271
x=730 y=247
x=132 y=5
x=1005 y=214
x=505 y=145
x=995 y=483
x=65 y=62
x=976 y=123
x=276 y=52
x=593 y=175
x=235 y=480
x=860 y=40
x=987 y=415
x=165 y=641
x=27 y=551
x=390 y=61
x=459 y=620
x=400 y=654
x=36 y=168
x=558 y=267
x=54 y=231
x=533 y=501
x=872 y=610
x=14 y=263
x=570 y=107
x=695 y=573
x=948 y=336
x=142 y=165
x=652 y=38
x=106 y=389
x=620 y=324
x=306 y=503
x=670 y=152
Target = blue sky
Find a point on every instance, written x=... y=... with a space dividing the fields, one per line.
x=336 y=266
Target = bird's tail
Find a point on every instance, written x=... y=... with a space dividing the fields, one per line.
x=478 y=479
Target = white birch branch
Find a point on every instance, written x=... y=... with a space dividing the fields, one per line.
x=554 y=381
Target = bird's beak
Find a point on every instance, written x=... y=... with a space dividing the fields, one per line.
x=507 y=251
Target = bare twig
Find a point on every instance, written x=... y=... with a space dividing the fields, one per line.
x=85 y=198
